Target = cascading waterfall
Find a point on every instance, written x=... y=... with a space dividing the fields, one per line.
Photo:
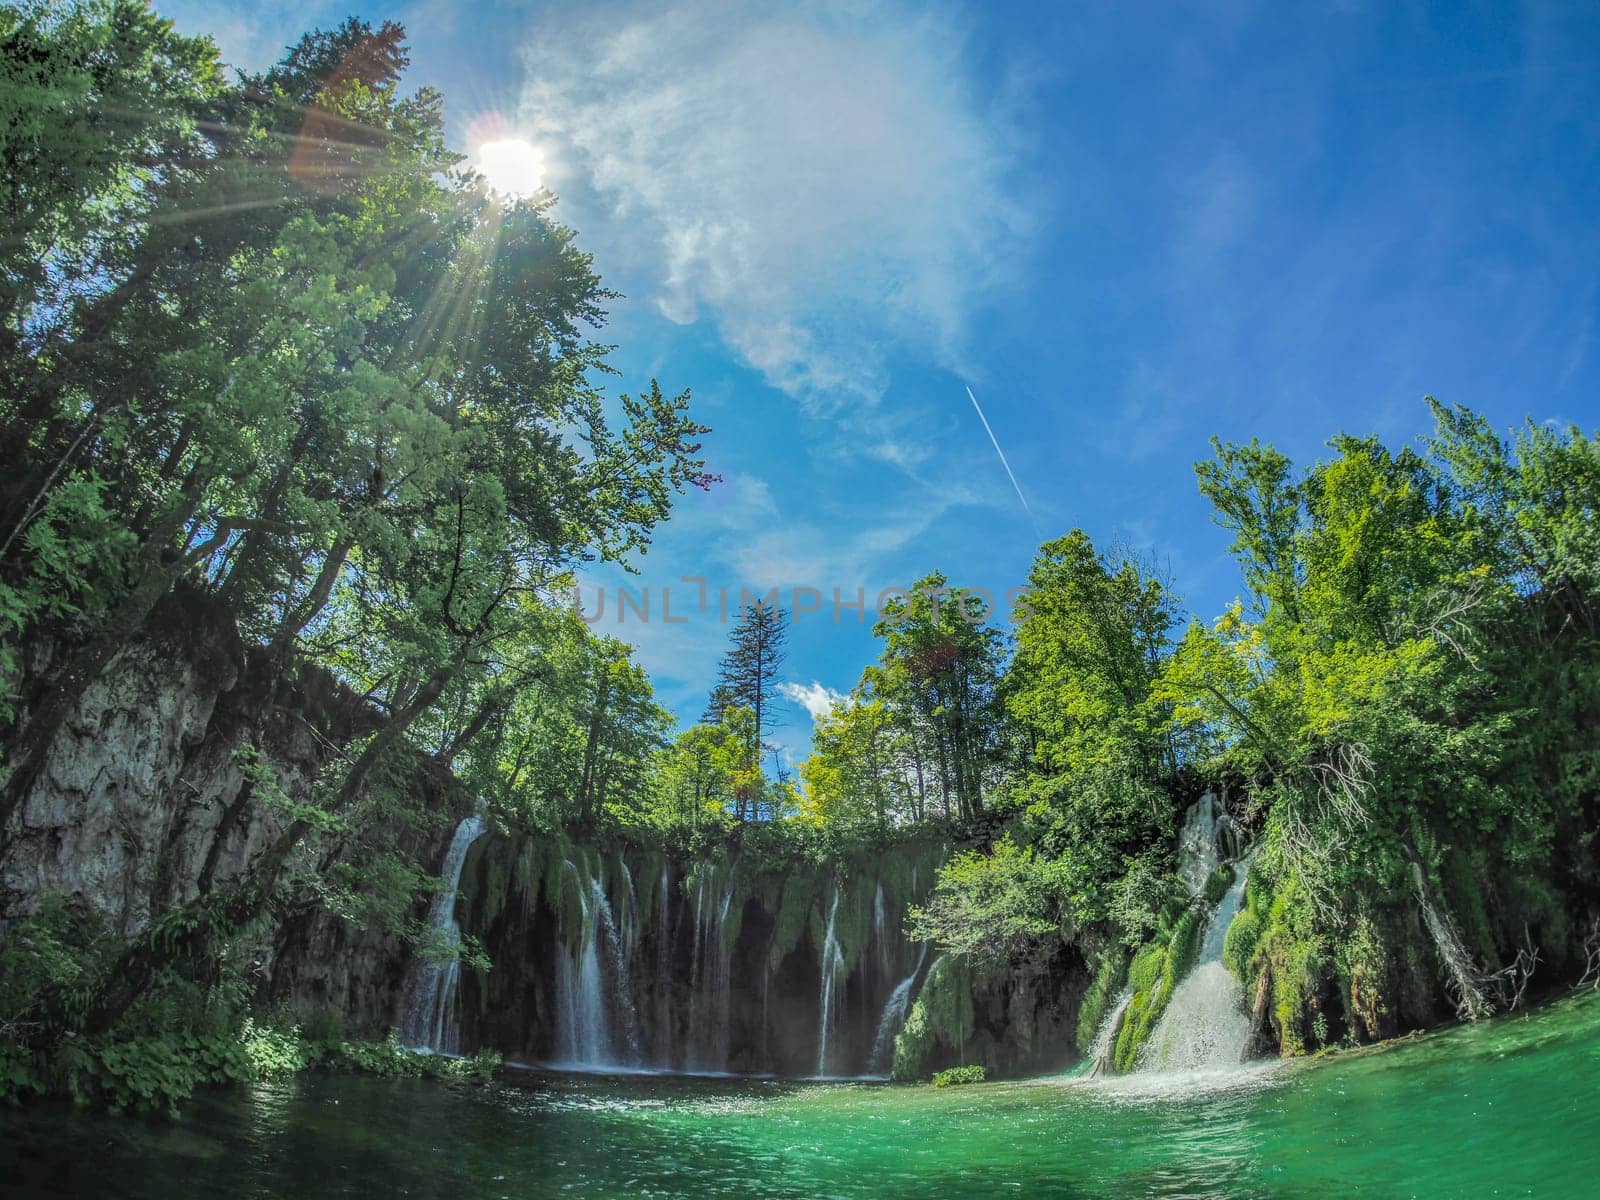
x=894 y=1016
x=1198 y=854
x=711 y=978
x=663 y=961
x=593 y=986
x=427 y=1014
x=831 y=962
x=1204 y=1026
x=722 y=1008
x=1100 y=1049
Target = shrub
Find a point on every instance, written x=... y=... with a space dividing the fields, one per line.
x=951 y=1076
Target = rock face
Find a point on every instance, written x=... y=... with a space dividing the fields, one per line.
x=624 y=959
x=151 y=796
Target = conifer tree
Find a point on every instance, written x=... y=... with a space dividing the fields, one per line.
x=748 y=674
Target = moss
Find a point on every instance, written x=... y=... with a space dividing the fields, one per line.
x=943 y=1014
x=646 y=868
x=1298 y=959
x=1467 y=879
x=1363 y=963
x=852 y=928
x=794 y=912
x=1240 y=942
x=1217 y=884
x=1156 y=969
x=1184 y=945
x=1108 y=976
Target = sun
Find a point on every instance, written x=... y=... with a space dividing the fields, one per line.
x=511 y=166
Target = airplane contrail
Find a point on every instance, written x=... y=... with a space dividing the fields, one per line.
x=994 y=441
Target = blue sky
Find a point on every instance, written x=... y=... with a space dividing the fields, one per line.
x=1126 y=227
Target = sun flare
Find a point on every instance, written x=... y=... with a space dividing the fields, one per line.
x=511 y=166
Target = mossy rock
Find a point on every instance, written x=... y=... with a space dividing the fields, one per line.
x=1109 y=974
x=1240 y=942
x=793 y=915
x=1218 y=883
x=942 y=1014
x=1154 y=974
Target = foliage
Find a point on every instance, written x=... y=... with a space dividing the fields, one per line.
x=267 y=347
x=920 y=737
x=952 y=1076
x=991 y=907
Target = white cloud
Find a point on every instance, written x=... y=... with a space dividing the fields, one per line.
x=818 y=182
x=814 y=697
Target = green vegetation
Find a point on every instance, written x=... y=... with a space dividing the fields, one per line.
x=270 y=353
x=274 y=360
x=952 y=1076
x=1411 y=678
x=158 y=1073
x=943 y=1013
x=988 y=907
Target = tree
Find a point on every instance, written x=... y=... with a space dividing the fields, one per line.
x=311 y=371
x=991 y=908
x=747 y=677
x=940 y=670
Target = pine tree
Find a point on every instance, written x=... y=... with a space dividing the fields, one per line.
x=747 y=677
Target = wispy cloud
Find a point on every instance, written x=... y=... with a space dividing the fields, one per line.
x=816 y=182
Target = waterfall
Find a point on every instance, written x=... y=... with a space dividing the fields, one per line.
x=1100 y=1049
x=427 y=1014
x=1204 y=1025
x=593 y=986
x=830 y=968
x=1198 y=855
x=877 y=931
x=894 y=1016
x=663 y=963
x=724 y=985
x=710 y=977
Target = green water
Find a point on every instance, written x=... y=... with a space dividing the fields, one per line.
x=1509 y=1108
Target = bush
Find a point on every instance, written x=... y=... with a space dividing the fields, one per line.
x=953 y=1076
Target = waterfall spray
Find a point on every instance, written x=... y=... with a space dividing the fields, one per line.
x=1204 y=1026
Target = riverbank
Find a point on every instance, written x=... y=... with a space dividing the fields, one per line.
x=162 y=1073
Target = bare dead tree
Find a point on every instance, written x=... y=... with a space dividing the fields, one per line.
x=1463 y=978
x=1446 y=623
x=1317 y=833
x=1591 y=956
x=1344 y=783
x=1510 y=982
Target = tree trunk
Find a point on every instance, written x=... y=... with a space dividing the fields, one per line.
x=1464 y=974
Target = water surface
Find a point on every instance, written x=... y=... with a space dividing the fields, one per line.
x=1508 y=1108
